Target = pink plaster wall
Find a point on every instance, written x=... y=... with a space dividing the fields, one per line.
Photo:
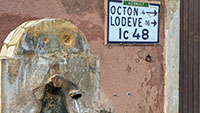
x=123 y=68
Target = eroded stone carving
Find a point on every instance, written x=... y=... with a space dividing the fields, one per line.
x=35 y=51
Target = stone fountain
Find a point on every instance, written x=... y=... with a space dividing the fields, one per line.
x=36 y=51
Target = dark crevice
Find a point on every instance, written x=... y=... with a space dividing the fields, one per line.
x=53 y=100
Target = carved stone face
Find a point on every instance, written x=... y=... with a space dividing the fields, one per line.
x=44 y=37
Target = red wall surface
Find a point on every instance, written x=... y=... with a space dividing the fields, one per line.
x=123 y=68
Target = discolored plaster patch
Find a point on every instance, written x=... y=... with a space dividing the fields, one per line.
x=13 y=70
x=81 y=7
x=129 y=68
x=149 y=86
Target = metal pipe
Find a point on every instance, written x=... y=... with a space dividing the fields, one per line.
x=60 y=82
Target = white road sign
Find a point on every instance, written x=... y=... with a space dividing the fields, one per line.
x=132 y=22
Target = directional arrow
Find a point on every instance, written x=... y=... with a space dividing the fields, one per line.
x=155 y=13
x=154 y=23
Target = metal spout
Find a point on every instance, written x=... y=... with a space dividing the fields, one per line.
x=75 y=94
x=61 y=82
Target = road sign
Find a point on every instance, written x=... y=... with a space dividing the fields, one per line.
x=130 y=22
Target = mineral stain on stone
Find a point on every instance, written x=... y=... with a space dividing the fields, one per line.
x=13 y=70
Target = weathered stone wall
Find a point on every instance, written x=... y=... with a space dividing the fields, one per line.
x=123 y=68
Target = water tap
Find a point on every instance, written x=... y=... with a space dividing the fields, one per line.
x=60 y=82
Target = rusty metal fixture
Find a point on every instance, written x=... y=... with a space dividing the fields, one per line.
x=54 y=98
x=115 y=94
x=67 y=39
x=75 y=94
x=128 y=93
x=61 y=82
x=148 y=58
x=45 y=40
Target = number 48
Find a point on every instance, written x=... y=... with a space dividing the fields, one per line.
x=145 y=34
